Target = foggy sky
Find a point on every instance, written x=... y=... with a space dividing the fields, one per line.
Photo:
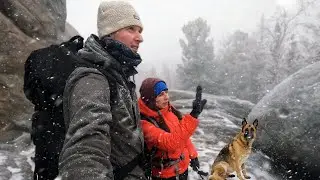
x=164 y=19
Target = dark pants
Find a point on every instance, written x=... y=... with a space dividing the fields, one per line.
x=183 y=176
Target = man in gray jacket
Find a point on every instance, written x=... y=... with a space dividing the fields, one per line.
x=104 y=139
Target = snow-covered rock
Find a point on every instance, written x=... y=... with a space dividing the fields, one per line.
x=289 y=122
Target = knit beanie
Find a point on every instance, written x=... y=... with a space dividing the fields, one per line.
x=115 y=15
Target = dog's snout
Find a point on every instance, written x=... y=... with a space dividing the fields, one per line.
x=246 y=133
x=249 y=133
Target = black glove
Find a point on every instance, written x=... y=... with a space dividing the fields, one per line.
x=194 y=163
x=198 y=103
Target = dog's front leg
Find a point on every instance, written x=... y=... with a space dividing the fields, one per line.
x=239 y=170
x=244 y=172
x=232 y=152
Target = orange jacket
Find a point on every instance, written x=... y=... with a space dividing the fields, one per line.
x=169 y=144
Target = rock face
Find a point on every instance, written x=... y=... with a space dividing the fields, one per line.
x=37 y=19
x=289 y=121
x=24 y=27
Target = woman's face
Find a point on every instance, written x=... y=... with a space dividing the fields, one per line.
x=162 y=100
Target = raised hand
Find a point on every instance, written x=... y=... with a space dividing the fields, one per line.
x=198 y=104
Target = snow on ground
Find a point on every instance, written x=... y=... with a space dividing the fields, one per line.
x=217 y=127
x=15 y=159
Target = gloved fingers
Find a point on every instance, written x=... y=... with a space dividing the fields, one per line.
x=195 y=169
x=198 y=94
x=195 y=163
x=203 y=103
x=203 y=173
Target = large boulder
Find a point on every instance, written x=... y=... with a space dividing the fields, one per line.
x=24 y=27
x=289 y=122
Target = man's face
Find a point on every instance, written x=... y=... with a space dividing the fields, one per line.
x=162 y=100
x=130 y=36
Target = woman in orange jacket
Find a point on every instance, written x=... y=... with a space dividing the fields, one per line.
x=171 y=132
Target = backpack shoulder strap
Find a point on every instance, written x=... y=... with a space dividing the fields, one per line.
x=111 y=80
x=119 y=173
x=176 y=112
x=162 y=125
x=149 y=119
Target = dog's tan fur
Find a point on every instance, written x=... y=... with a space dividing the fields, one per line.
x=233 y=156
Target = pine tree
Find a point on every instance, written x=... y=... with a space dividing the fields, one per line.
x=197 y=55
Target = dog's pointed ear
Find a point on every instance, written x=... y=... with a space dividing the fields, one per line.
x=255 y=123
x=244 y=122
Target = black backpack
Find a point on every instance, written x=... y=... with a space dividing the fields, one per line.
x=46 y=73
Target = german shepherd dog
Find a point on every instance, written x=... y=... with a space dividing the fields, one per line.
x=232 y=157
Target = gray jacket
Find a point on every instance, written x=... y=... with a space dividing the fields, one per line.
x=101 y=134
